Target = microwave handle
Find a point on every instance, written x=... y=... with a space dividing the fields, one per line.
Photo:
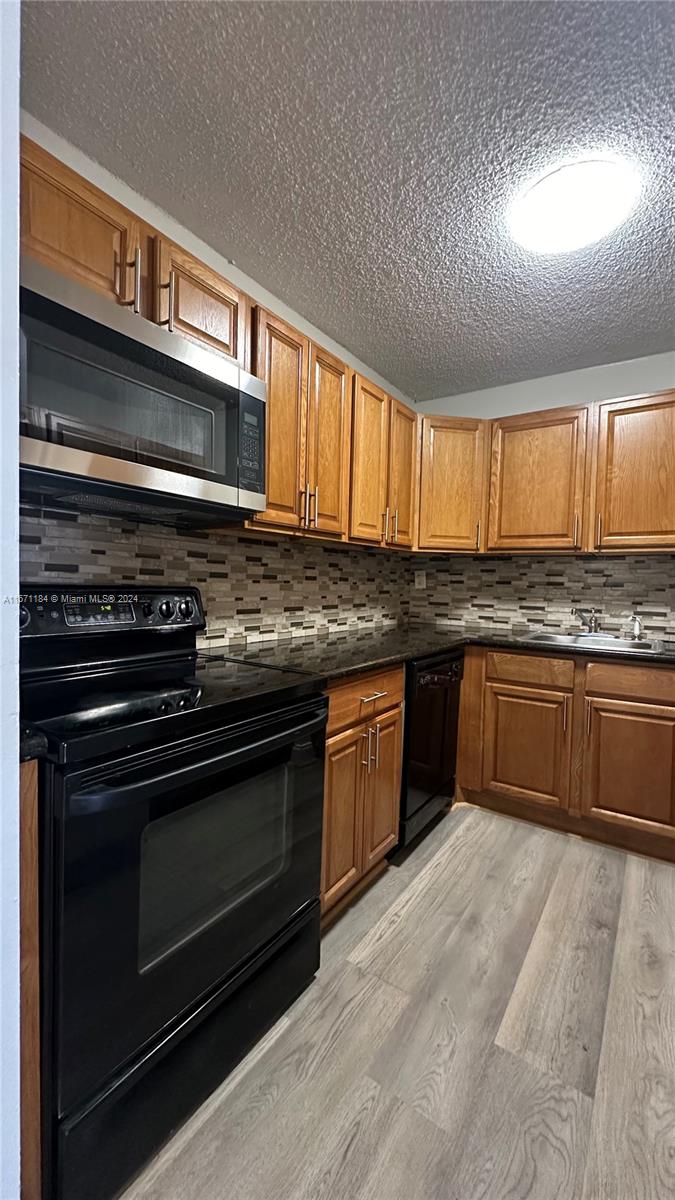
x=91 y=800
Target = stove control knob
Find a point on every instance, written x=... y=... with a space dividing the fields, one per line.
x=166 y=609
x=24 y=617
x=147 y=609
x=164 y=708
x=186 y=609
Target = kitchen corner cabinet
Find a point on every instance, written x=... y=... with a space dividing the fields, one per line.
x=362 y=782
x=537 y=480
x=370 y=454
x=635 y=483
x=452 y=484
x=69 y=225
x=193 y=300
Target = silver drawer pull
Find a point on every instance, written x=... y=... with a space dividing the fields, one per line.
x=375 y=696
x=377 y=747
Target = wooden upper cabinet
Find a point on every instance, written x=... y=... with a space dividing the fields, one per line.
x=635 y=497
x=328 y=440
x=537 y=476
x=72 y=227
x=281 y=359
x=452 y=486
x=527 y=743
x=402 y=489
x=370 y=453
x=195 y=301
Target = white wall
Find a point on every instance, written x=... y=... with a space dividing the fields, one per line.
x=184 y=237
x=632 y=377
x=9 y=582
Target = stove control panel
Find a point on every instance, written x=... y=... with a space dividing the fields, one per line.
x=61 y=609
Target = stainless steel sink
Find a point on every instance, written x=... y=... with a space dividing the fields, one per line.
x=591 y=641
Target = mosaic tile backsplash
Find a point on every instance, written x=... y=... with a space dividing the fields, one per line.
x=252 y=590
x=257 y=590
x=502 y=593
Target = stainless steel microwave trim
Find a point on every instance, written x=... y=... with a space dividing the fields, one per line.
x=79 y=463
x=80 y=299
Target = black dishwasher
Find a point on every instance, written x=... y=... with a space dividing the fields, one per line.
x=430 y=739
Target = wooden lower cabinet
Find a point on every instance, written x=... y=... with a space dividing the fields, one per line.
x=362 y=789
x=526 y=744
x=629 y=765
x=593 y=753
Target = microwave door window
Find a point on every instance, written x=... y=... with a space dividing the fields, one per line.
x=92 y=408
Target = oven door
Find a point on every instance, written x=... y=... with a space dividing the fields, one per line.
x=171 y=871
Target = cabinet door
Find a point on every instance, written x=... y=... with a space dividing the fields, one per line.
x=382 y=804
x=282 y=356
x=402 y=473
x=68 y=225
x=629 y=764
x=527 y=739
x=453 y=483
x=370 y=437
x=328 y=441
x=636 y=473
x=342 y=864
x=195 y=301
x=537 y=481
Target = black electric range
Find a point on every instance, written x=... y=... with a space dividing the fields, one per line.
x=181 y=803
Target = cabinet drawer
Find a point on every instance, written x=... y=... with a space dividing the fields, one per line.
x=633 y=682
x=530 y=668
x=363 y=696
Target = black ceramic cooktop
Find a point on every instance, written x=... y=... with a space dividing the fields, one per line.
x=85 y=716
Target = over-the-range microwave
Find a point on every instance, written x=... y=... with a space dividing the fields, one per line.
x=119 y=415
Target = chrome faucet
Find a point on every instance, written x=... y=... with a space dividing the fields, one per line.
x=589 y=617
x=636 y=627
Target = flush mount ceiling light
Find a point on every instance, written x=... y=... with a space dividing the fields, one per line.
x=574 y=205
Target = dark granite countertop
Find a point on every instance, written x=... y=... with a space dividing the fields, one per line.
x=347 y=653
x=31 y=745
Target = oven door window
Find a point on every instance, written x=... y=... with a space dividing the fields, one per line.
x=198 y=864
x=144 y=409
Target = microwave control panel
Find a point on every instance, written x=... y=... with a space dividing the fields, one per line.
x=251 y=444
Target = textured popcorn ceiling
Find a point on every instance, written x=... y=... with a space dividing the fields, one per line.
x=356 y=159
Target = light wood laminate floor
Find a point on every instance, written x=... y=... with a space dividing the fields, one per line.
x=494 y=1020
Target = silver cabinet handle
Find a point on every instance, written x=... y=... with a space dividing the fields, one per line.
x=477 y=535
x=598 y=531
x=385 y=517
x=395 y=534
x=135 y=303
x=316 y=507
x=377 y=747
x=589 y=713
x=575 y=537
x=365 y=762
x=375 y=696
x=565 y=715
x=172 y=293
x=305 y=514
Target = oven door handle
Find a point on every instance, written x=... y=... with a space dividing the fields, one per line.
x=91 y=800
